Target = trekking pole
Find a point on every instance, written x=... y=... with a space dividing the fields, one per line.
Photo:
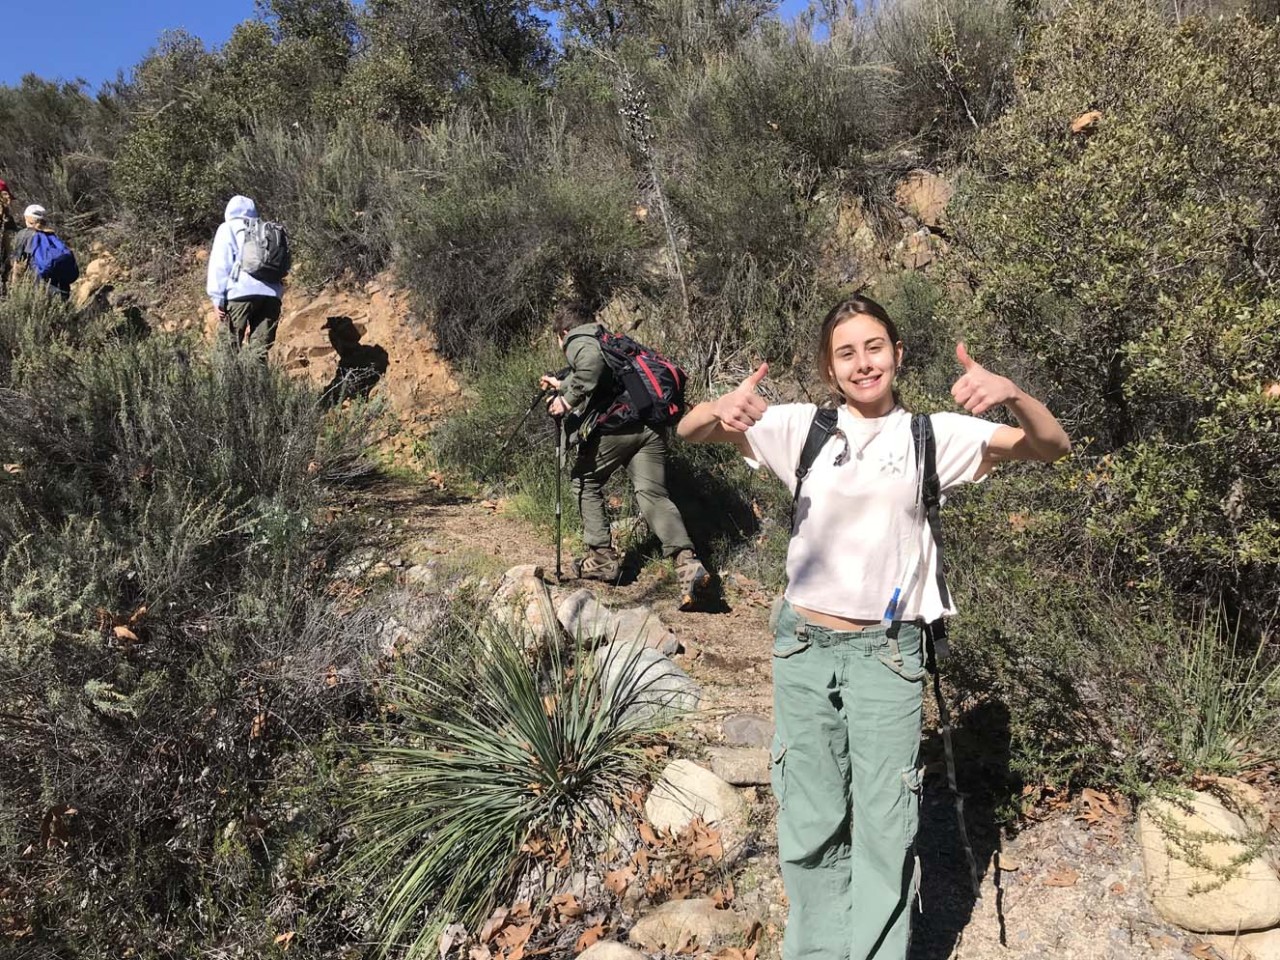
x=948 y=749
x=560 y=444
x=503 y=449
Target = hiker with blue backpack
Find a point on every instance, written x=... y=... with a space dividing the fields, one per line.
x=39 y=249
x=621 y=399
x=247 y=266
x=864 y=599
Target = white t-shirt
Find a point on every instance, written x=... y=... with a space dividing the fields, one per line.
x=860 y=530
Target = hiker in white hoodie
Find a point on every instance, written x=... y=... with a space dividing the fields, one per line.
x=249 y=307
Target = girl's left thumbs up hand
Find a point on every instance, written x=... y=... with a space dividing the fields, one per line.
x=978 y=389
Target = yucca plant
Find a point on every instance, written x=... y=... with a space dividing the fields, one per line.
x=498 y=762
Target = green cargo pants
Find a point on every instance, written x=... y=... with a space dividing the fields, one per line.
x=253 y=320
x=848 y=719
x=643 y=451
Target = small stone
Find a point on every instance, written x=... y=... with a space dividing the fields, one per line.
x=644 y=625
x=740 y=766
x=1264 y=945
x=679 y=922
x=748 y=730
x=585 y=619
x=610 y=950
x=646 y=681
x=687 y=792
x=522 y=608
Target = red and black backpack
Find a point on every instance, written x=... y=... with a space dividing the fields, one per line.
x=651 y=385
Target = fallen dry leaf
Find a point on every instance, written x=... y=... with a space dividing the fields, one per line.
x=124 y=633
x=493 y=924
x=589 y=936
x=568 y=907
x=1061 y=877
x=514 y=938
x=1203 y=950
x=617 y=881
x=451 y=936
x=284 y=940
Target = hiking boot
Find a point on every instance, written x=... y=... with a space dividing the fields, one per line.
x=693 y=577
x=600 y=563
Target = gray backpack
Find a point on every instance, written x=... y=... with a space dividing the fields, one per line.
x=264 y=250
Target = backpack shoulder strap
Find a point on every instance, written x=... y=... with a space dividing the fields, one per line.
x=930 y=489
x=820 y=430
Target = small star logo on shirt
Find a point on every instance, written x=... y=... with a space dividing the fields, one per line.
x=894 y=464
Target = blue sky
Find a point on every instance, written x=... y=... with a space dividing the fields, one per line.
x=93 y=39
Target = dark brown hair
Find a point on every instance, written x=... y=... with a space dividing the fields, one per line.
x=842 y=311
x=569 y=314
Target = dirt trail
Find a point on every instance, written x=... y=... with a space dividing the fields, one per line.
x=1071 y=885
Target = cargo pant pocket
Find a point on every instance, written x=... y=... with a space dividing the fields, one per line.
x=787 y=641
x=912 y=784
x=778 y=770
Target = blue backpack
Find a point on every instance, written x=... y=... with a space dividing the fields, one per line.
x=53 y=260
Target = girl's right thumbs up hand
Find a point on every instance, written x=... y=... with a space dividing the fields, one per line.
x=742 y=408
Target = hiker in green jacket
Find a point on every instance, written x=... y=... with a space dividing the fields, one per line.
x=587 y=391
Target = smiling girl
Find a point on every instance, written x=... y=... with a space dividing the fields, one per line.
x=847 y=713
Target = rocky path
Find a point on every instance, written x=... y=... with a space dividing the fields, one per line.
x=1068 y=886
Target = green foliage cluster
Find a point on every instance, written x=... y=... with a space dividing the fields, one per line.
x=166 y=639
x=1139 y=263
x=1130 y=276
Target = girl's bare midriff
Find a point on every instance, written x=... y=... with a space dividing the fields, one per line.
x=833 y=622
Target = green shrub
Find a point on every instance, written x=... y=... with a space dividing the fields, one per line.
x=334 y=187
x=954 y=61
x=1129 y=265
x=508 y=210
x=167 y=638
x=55 y=150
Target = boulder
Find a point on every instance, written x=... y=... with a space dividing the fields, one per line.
x=740 y=766
x=1196 y=897
x=522 y=607
x=1249 y=946
x=648 y=681
x=678 y=923
x=748 y=730
x=924 y=195
x=610 y=950
x=641 y=624
x=687 y=792
x=919 y=249
x=585 y=619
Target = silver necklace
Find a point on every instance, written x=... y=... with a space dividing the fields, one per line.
x=843 y=457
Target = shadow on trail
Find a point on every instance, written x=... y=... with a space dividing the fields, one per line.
x=981 y=738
